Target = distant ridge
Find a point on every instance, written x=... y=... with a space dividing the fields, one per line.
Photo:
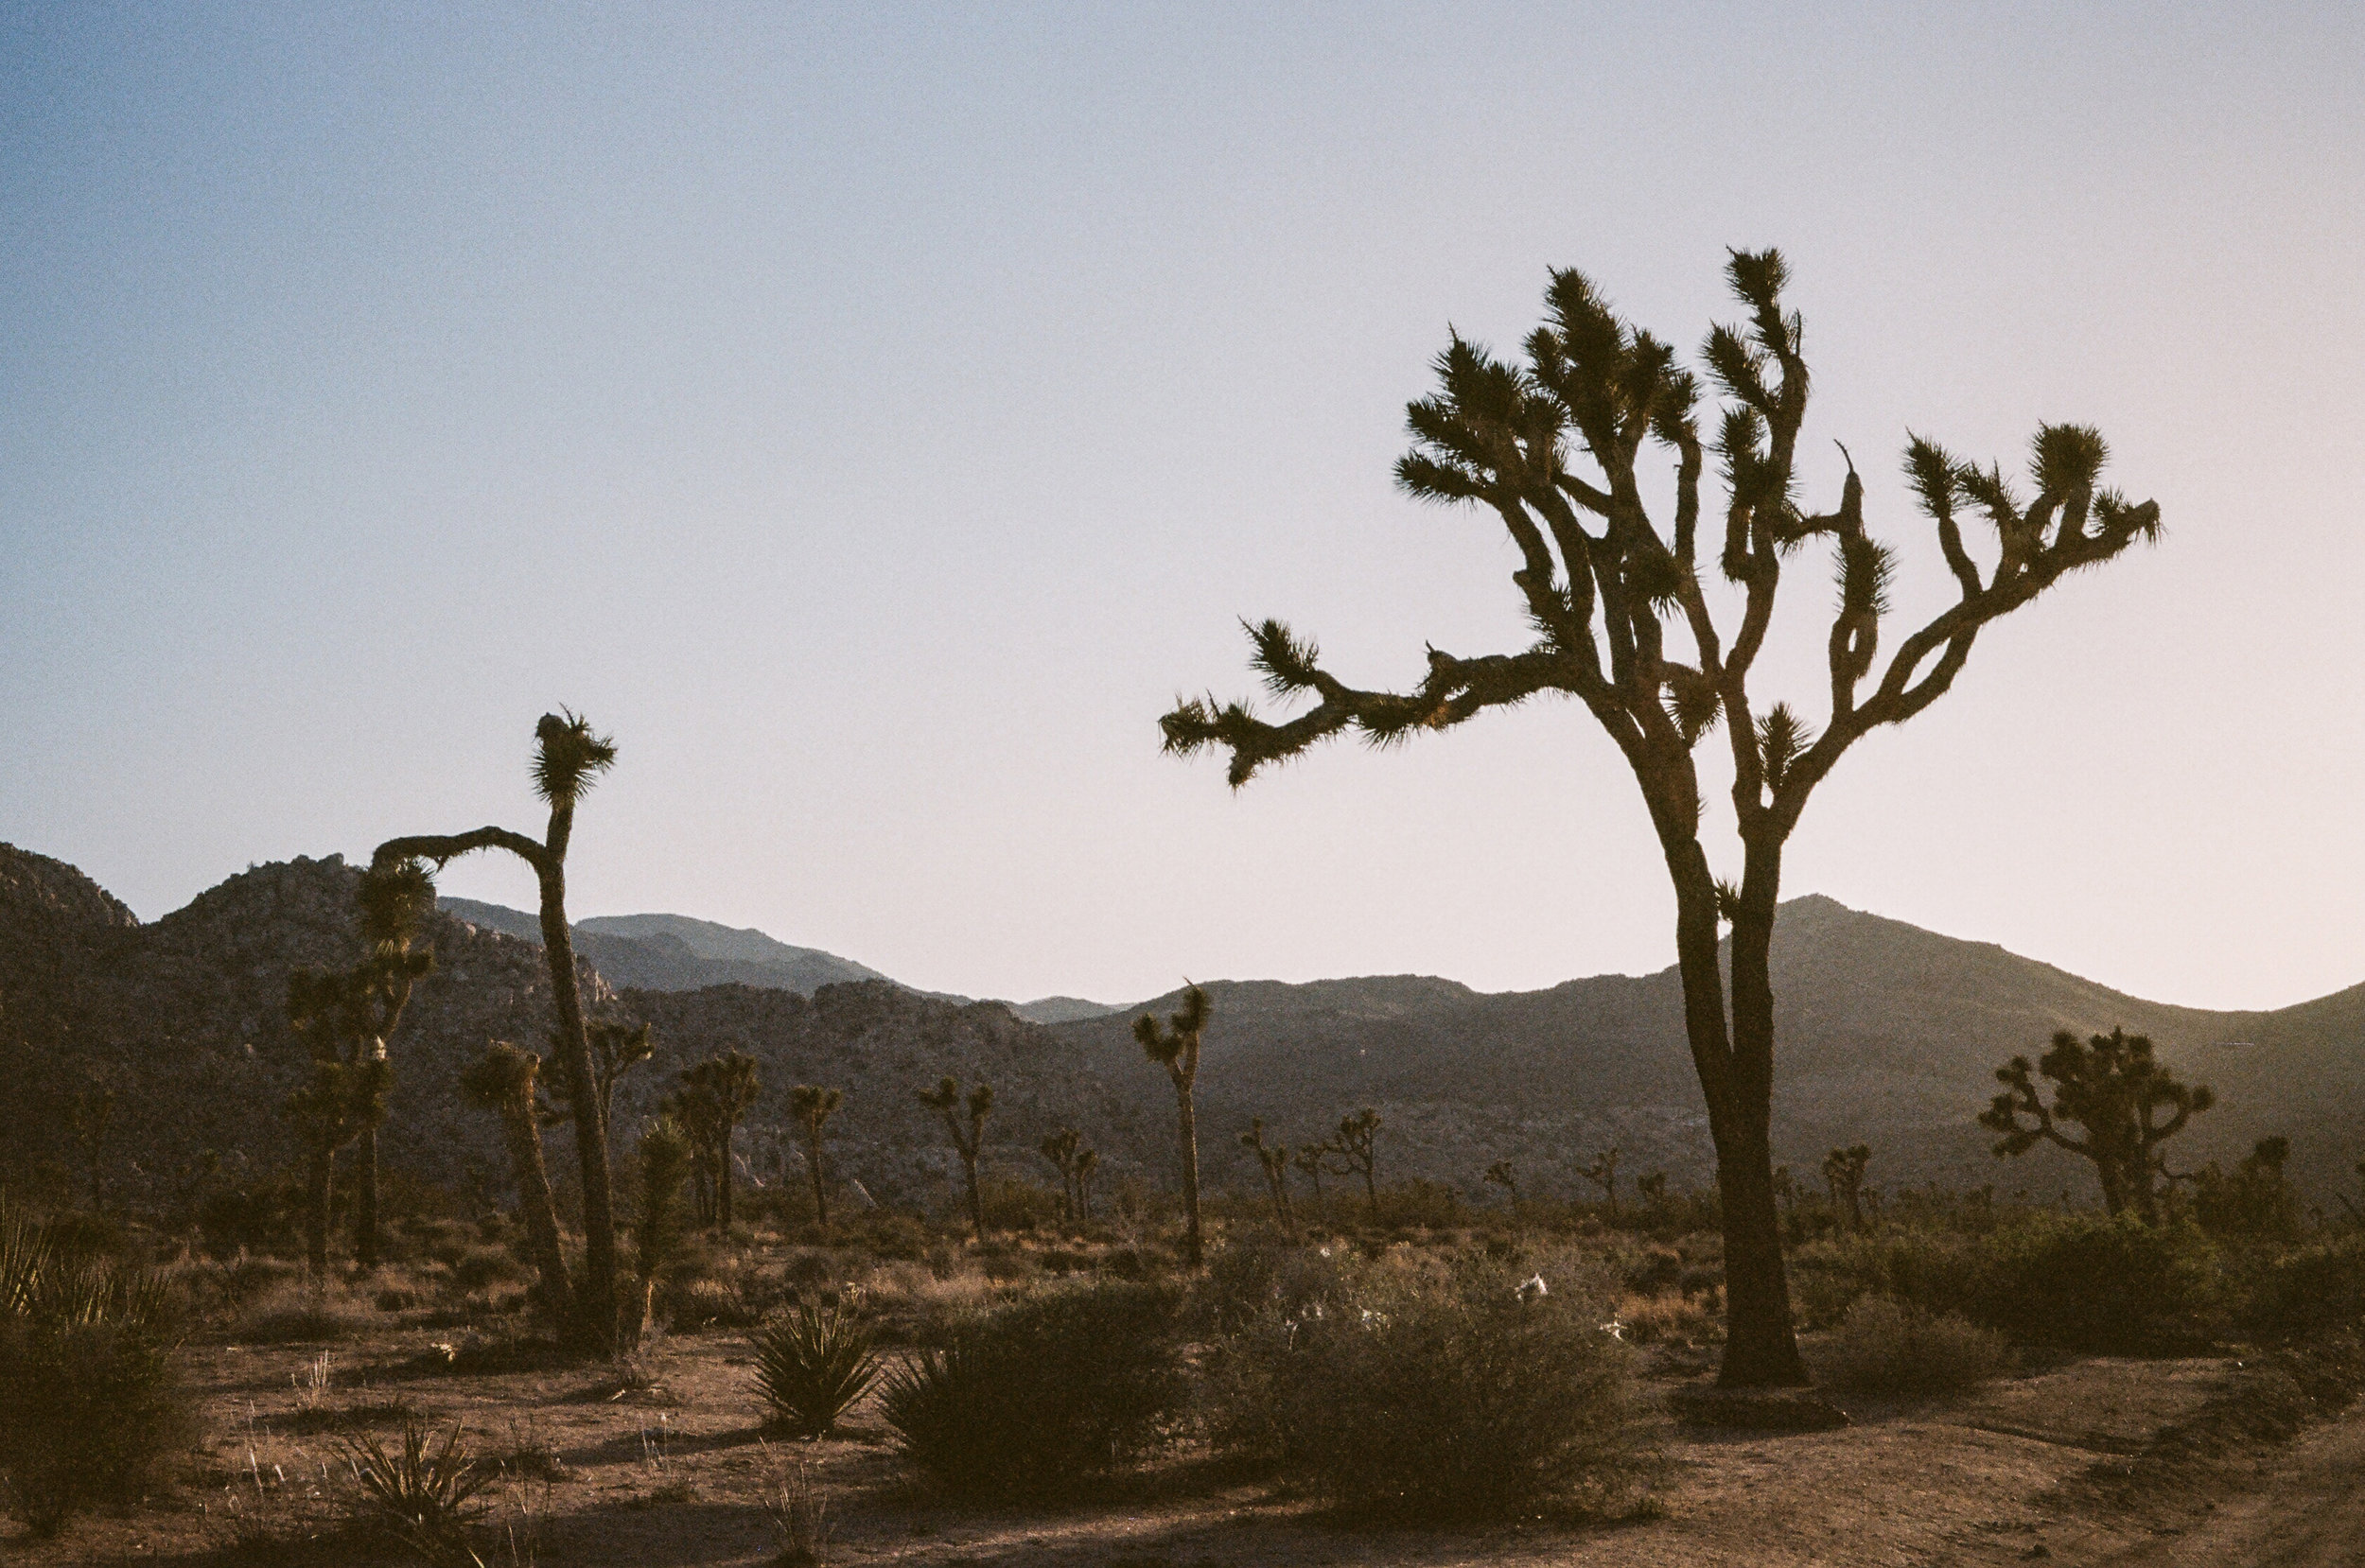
x=674 y=952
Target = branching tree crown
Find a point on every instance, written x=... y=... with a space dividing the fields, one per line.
x=1175 y=1047
x=2112 y=1088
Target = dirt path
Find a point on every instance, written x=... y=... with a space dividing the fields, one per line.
x=2308 y=1513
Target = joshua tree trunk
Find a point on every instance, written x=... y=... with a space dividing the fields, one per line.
x=365 y=1201
x=600 y=1305
x=320 y=1177
x=976 y=1199
x=820 y=1190
x=1194 y=1250
x=722 y=1184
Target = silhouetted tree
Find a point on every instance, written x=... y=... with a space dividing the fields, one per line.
x=713 y=1097
x=1087 y=1163
x=2255 y=1199
x=1603 y=585
x=397 y=899
x=1843 y=1172
x=1602 y=1172
x=969 y=1138
x=1352 y=1145
x=1175 y=1047
x=569 y=759
x=2114 y=1088
x=1064 y=1149
x=1310 y=1160
x=812 y=1109
x=343 y=1092
x=506 y=1080
x=616 y=1049
x=665 y=1150
x=1274 y=1160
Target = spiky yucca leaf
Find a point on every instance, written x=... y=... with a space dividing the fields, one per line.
x=424 y=1493
x=2065 y=459
x=1782 y=737
x=1693 y=702
x=1933 y=474
x=812 y=1364
x=568 y=756
x=395 y=902
x=1866 y=570
x=1287 y=662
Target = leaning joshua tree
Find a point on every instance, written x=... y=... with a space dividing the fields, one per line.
x=1556 y=446
x=1843 y=1172
x=1175 y=1047
x=812 y=1107
x=505 y=1081
x=569 y=757
x=969 y=1137
x=2113 y=1087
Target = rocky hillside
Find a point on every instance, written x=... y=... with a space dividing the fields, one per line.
x=1888 y=1034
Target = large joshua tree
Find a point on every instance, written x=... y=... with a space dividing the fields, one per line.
x=2127 y=1101
x=968 y=1134
x=1555 y=444
x=1175 y=1047
x=569 y=759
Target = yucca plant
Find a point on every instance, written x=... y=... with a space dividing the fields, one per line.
x=424 y=1494
x=812 y=1365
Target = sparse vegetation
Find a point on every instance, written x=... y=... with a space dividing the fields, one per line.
x=811 y=1362
x=1889 y=1347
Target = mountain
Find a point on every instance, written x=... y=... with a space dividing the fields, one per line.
x=1887 y=1034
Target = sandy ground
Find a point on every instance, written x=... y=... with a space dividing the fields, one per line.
x=674 y=1475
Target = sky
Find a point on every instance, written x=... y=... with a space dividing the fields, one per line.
x=876 y=416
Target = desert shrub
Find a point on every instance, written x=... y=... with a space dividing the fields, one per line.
x=1671 y=1318
x=1421 y=1205
x=2308 y=1290
x=1935 y=1268
x=475 y=1267
x=2101 y=1286
x=297 y=1311
x=704 y=1303
x=424 y=1492
x=1654 y=1270
x=887 y=1233
x=1430 y=1393
x=1889 y=1347
x=1012 y=1204
x=1042 y=1395
x=89 y=1400
x=811 y=1364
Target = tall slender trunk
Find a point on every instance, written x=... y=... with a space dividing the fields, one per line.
x=1761 y=1345
x=722 y=1184
x=820 y=1192
x=1194 y=1250
x=540 y=1209
x=976 y=1199
x=599 y=1307
x=365 y=1246
x=320 y=1177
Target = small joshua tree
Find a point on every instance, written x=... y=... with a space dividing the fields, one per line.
x=569 y=759
x=1502 y=1175
x=2114 y=1088
x=1064 y=1148
x=1175 y=1047
x=1352 y=1145
x=969 y=1136
x=1087 y=1166
x=1274 y=1160
x=505 y=1081
x=714 y=1098
x=397 y=899
x=616 y=1048
x=1602 y=1172
x=812 y=1107
x=1310 y=1160
x=665 y=1150
x=1843 y=1170
x=345 y=1091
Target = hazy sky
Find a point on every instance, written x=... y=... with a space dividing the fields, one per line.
x=876 y=415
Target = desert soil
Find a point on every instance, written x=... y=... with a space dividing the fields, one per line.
x=674 y=1475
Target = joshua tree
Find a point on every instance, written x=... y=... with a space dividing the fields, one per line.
x=616 y=1050
x=1351 y=1143
x=2114 y=1088
x=397 y=899
x=969 y=1137
x=1175 y=1047
x=1087 y=1163
x=1602 y=1172
x=813 y=1107
x=714 y=1098
x=569 y=759
x=1843 y=1172
x=345 y=1092
x=1502 y=1175
x=504 y=1080
x=1555 y=446
x=1274 y=1160
x=1064 y=1149
x=1310 y=1160
x=665 y=1149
